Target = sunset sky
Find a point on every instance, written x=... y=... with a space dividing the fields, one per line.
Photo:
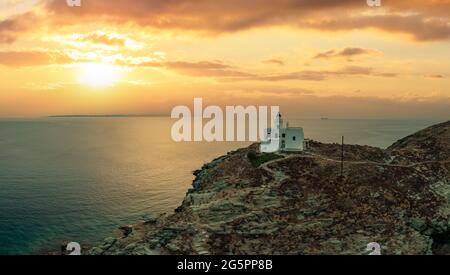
x=314 y=58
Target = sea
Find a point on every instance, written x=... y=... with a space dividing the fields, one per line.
x=79 y=178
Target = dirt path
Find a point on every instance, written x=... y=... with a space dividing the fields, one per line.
x=265 y=166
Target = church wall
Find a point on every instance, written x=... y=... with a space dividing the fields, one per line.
x=290 y=143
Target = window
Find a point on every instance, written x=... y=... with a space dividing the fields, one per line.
x=294 y=138
x=284 y=135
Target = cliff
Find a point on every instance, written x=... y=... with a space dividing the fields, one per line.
x=251 y=203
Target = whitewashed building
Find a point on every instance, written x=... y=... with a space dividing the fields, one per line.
x=283 y=138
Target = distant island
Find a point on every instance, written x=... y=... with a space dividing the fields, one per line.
x=110 y=115
x=247 y=202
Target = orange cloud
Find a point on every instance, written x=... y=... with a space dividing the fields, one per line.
x=33 y=58
x=320 y=75
x=213 y=69
x=420 y=27
x=12 y=28
x=202 y=68
x=422 y=20
x=102 y=38
x=434 y=76
x=274 y=61
x=225 y=72
x=345 y=53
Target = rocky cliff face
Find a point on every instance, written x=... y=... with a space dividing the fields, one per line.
x=300 y=204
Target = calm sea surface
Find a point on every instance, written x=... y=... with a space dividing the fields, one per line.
x=77 y=179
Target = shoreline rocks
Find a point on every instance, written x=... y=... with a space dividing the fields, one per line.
x=299 y=204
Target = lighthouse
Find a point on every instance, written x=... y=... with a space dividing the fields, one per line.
x=282 y=138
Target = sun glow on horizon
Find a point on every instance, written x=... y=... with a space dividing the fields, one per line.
x=99 y=74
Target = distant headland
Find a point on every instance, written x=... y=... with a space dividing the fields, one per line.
x=108 y=115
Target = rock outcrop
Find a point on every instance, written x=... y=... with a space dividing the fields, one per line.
x=300 y=204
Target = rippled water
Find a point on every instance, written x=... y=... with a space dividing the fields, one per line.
x=77 y=179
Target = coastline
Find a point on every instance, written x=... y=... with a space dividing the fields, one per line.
x=299 y=205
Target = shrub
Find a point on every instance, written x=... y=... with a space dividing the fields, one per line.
x=258 y=159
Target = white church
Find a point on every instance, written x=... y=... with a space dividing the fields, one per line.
x=283 y=138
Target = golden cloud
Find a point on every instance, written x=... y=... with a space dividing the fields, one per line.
x=346 y=53
x=422 y=20
x=274 y=61
x=224 y=72
x=33 y=58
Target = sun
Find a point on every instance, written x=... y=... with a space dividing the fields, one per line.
x=99 y=74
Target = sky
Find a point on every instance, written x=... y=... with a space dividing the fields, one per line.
x=313 y=58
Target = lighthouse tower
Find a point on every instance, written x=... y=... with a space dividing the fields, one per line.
x=280 y=138
x=272 y=140
x=279 y=121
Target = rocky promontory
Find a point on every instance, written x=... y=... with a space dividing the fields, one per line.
x=298 y=203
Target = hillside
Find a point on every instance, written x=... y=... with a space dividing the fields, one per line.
x=299 y=204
